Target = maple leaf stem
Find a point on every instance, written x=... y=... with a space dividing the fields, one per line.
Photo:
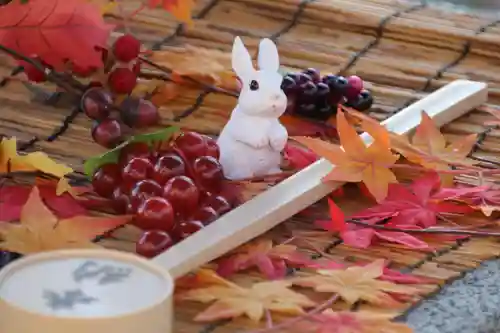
x=168 y=72
x=307 y=315
x=468 y=170
x=427 y=231
x=269 y=319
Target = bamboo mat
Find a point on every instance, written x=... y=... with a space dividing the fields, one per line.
x=403 y=51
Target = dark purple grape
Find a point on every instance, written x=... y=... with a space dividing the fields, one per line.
x=334 y=98
x=308 y=93
x=329 y=79
x=302 y=78
x=363 y=102
x=7 y=257
x=314 y=74
x=340 y=84
x=324 y=113
x=294 y=76
x=322 y=89
x=137 y=112
x=291 y=104
x=306 y=110
x=288 y=85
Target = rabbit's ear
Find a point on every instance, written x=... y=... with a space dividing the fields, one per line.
x=242 y=62
x=268 y=56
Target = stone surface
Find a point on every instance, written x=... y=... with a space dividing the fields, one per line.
x=468 y=305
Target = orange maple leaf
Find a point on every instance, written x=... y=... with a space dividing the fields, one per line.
x=231 y=300
x=40 y=230
x=429 y=148
x=354 y=161
x=269 y=259
x=180 y=9
x=204 y=65
x=356 y=283
x=351 y=322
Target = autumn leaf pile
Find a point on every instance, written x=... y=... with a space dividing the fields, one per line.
x=401 y=213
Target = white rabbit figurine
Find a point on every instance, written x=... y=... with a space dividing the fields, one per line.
x=251 y=142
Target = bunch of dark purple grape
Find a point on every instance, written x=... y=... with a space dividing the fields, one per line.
x=314 y=96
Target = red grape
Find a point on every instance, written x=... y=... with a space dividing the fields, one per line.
x=105 y=179
x=32 y=73
x=138 y=113
x=191 y=144
x=120 y=200
x=168 y=166
x=208 y=172
x=185 y=229
x=107 y=133
x=137 y=169
x=146 y=188
x=134 y=203
x=288 y=85
x=126 y=48
x=122 y=80
x=134 y=149
x=205 y=214
x=153 y=242
x=182 y=192
x=212 y=147
x=155 y=213
x=219 y=204
x=355 y=86
x=96 y=103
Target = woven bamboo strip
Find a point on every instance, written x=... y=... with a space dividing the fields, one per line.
x=415 y=51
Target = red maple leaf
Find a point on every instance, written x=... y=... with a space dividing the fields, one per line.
x=413 y=205
x=57 y=31
x=271 y=260
x=299 y=157
x=485 y=198
x=13 y=198
x=362 y=237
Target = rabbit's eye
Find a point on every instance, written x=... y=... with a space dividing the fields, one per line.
x=254 y=85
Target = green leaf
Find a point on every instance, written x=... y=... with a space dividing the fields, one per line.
x=111 y=156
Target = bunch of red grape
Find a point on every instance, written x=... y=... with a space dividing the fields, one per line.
x=134 y=112
x=315 y=96
x=172 y=192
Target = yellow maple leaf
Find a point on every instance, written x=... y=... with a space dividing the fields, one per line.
x=231 y=300
x=10 y=160
x=40 y=230
x=356 y=283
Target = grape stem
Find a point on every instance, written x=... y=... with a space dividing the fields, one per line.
x=50 y=74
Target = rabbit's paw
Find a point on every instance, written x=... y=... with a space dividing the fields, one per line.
x=278 y=138
x=256 y=141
